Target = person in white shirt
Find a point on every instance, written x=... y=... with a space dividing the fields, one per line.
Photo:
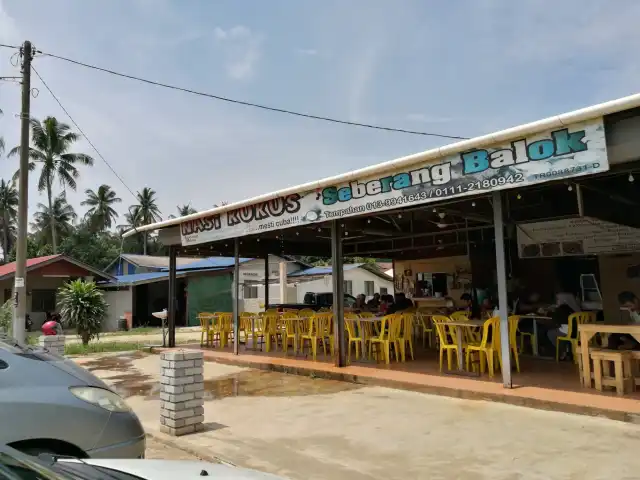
x=566 y=304
x=629 y=301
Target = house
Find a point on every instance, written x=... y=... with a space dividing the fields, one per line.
x=202 y=285
x=359 y=278
x=129 y=264
x=44 y=276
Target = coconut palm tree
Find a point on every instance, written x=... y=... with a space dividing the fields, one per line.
x=56 y=220
x=131 y=219
x=51 y=141
x=101 y=214
x=8 y=213
x=183 y=210
x=146 y=211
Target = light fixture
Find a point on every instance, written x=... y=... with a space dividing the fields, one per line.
x=399 y=215
x=570 y=187
x=442 y=214
x=631 y=179
x=368 y=220
x=435 y=211
x=519 y=197
x=258 y=240
x=346 y=234
x=297 y=233
x=473 y=204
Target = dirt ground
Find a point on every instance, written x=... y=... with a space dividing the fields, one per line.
x=310 y=428
x=158 y=450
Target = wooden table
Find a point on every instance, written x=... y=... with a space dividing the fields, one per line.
x=463 y=323
x=588 y=330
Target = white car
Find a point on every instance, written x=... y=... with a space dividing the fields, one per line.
x=18 y=466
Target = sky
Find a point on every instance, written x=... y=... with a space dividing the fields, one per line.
x=464 y=68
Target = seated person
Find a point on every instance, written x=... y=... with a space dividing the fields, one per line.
x=469 y=305
x=566 y=304
x=386 y=303
x=629 y=301
x=360 y=302
x=401 y=303
x=374 y=303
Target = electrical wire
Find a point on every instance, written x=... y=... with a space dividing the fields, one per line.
x=9 y=46
x=249 y=104
x=82 y=132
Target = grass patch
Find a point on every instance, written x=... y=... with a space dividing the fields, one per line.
x=101 y=347
x=135 y=331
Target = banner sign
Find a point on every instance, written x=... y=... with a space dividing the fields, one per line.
x=578 y=149
x=575 y=236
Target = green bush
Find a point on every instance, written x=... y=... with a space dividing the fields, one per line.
x=6 y=317
x=82 y=307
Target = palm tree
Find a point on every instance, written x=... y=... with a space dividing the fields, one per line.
x=8 y=213
x=184 y=210
x=131 y=219
x=101 y=214
x=146 y=211
x=51 y=142
x=1 y=140
x=55 y=221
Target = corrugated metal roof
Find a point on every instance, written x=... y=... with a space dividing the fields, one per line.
x=323 y=270
x=211 y=262
x=152 y=261
x=10 y=268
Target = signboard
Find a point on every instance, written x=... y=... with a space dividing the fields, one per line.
x=575 y=236
x=578 y=149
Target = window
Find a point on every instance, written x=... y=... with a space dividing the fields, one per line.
x=383 y=291
x=348 y=287
x=368 y=288
x=43 y=300
x=250 y=291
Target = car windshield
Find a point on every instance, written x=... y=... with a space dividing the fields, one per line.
x=14 y=465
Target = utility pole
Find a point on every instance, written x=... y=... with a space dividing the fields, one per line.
x=20 y=286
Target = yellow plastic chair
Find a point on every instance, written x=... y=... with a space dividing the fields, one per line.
x=471 y=335
x=577 y=318
x=405 y=335
x=487 y=349
x=226 y=329
x=314 y=333
x=386 y=337
x=354 y=331
x=447 y=335
x=270 y=329
x=306 y=313
x=326 y=328
x=367 y=328
x=205 y=319
x=245 y=325
x=513 y=340
x=290 y=320
x=533 y=338
x=424 y=322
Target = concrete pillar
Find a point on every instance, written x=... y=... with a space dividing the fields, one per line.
x=53 y=343
x=283 y=282
x=182 y=392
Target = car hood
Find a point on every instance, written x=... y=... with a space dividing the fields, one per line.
x=68 y=366
x=182 y=469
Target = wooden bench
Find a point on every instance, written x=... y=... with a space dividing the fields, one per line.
x=622 y=379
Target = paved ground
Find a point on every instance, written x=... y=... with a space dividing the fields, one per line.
x=305 y=428
x=188 y=336
x=155 y=449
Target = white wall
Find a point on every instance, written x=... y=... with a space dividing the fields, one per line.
x=119 y=301
x=357 y=276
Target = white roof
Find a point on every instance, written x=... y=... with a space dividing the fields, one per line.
x=556 y=121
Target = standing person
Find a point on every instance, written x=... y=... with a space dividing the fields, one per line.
x=623 y=341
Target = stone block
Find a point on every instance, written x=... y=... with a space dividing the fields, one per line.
x=183 y=397
x=193 y=371
x=177 y=414
x=199 y=393
x=192 y=355
x=177 y=381
x=170 y=422
x=193 y=420
x=177 y=432
x=194 y=387
x=172 y=356
x=172 y=389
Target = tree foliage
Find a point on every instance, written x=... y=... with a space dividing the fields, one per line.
x=82 y=307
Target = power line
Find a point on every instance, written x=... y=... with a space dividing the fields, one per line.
x=17 y=47
x=250 y=104
x=82 y=132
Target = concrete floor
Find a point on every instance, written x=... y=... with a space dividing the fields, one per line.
x=304 y=428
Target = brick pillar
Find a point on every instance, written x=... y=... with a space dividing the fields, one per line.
x=53 y=343
x=182 y=392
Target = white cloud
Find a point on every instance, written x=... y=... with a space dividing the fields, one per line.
x=242 y=49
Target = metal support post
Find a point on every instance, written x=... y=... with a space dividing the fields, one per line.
x=236 y=296
x=503 y=307
x=266 y=282
x=338 y=293
x=171 y=309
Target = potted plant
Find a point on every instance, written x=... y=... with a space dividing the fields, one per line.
x=82 y=307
